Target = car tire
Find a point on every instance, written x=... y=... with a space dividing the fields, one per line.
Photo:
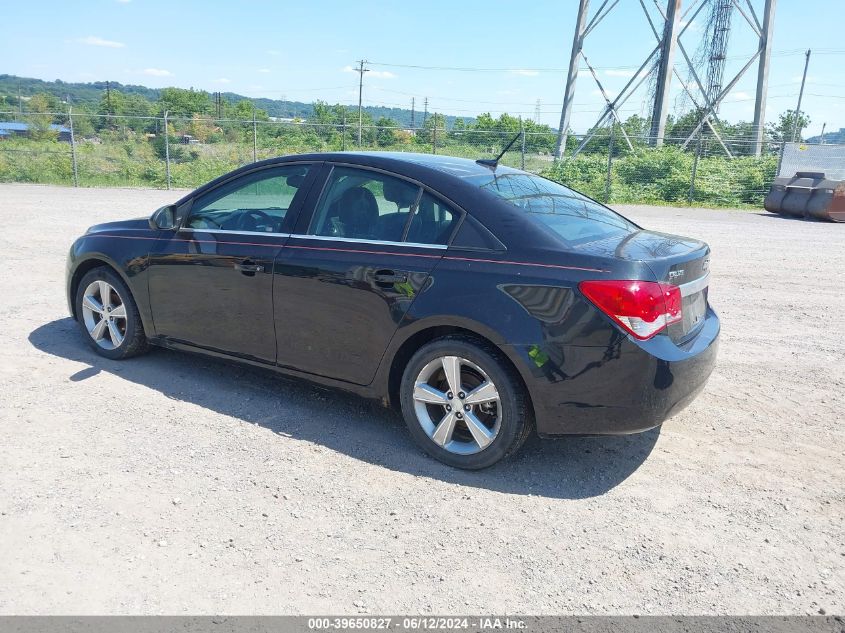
x=446 y=424
x=114 y=330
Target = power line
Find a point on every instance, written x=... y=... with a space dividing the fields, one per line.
x=781 y=53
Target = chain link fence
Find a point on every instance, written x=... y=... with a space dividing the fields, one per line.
x=184 y=152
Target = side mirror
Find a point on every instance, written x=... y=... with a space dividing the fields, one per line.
x=164 y=219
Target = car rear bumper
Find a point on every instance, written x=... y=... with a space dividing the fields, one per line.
x=626 y=387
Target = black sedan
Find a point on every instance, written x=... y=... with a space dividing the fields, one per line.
x=483 y=301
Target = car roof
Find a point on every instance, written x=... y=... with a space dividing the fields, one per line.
x=405 y=162
x=460 y=167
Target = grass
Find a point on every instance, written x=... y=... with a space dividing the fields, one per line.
x=648 y=176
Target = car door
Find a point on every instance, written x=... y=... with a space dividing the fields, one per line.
x=211 y=281
x=352 y=269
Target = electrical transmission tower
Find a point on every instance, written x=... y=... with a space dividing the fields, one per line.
x=667 y=25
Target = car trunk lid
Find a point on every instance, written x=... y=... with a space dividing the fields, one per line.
x=674 y=260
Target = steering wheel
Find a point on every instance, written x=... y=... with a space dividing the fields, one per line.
x=256 y=216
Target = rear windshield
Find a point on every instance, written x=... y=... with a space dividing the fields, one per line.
x=572 y=216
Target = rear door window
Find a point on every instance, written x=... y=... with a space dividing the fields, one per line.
x=433 y=222
x=365 y=205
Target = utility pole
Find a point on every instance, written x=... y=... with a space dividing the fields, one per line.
x=824 y=125
x=425 y=111
x=108 y=97
x=166 y=150
x=765 y=49
x=800 y=96
x=569 y=95
x=413 y=114
x=361 y=71
x=537 y=113
x=254 y=136
x=664 y=72
x=72 y=147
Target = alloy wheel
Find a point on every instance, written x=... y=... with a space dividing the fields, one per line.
x=104 y=314
x=457 y=405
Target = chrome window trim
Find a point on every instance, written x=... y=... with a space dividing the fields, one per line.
x=697 y=285
x=227 y=232
x=352 y=240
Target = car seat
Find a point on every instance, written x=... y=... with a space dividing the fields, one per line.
x=355 y=214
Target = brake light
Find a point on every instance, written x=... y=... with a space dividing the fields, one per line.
x=642 y=308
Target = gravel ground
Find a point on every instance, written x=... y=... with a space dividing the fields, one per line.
x=175 y=484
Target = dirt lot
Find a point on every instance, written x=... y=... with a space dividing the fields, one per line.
x=175 y=484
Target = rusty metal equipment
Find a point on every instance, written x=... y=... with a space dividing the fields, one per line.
x=807 y=194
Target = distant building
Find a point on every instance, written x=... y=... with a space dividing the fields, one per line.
x=16 y=128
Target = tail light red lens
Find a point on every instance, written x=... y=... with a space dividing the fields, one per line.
x=642 y=308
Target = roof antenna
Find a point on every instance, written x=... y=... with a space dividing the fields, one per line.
x=494 y=162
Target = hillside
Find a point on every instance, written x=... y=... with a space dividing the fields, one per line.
x=90 y=93
x=830 y=137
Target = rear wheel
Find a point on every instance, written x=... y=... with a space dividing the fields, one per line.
x=463 y=403
x=108 y=315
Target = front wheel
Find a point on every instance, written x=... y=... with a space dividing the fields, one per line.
x=464 y=404
x=108 y=315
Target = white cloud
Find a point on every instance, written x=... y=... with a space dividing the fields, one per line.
x=156 y=72
x=525 y=73
x=375 y=74
x=221 y=80
x=741 y=96
x=275 y=53
x=93 y=40
x=264 y=70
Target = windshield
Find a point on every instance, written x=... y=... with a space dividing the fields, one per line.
x=572 y=216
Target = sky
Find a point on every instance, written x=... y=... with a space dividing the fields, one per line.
x=466 y=57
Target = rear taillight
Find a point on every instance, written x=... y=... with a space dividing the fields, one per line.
x=642 y=308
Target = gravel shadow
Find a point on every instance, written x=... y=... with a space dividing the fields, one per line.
x=569 y=468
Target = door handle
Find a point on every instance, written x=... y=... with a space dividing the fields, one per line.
x=249 y=269
x=389 y=277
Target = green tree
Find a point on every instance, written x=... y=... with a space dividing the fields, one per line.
x=39 y=118
x=782 y=129
x=179 y=102
x=426 y=134
x=386 y=132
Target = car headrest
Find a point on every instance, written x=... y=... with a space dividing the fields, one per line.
x=358 y=210
x=295 y=180
x=401 y=193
